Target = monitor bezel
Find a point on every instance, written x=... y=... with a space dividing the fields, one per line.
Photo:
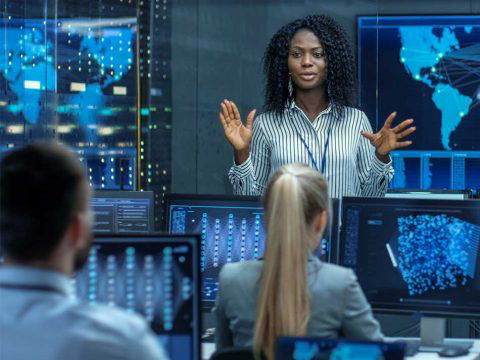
x=115 y=238
x=121 y=194
x=334 y=230
x=169 y=197
x=422 y=311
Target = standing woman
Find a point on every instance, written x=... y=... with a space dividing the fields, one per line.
x=310 y=117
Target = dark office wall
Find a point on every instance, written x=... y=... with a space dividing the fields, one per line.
x=217 y=48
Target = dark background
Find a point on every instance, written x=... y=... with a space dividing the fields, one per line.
x=217 y=49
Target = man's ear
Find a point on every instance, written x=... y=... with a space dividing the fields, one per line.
x=78 y=228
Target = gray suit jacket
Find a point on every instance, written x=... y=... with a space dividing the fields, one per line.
x=338 y=306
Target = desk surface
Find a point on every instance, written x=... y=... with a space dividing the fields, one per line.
x=473 y=354
x=209 y=348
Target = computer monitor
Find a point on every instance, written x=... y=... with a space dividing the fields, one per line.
x=429 y=194
x=415 y=256
x=428 y=59
x=232 y=230
x=118 y=212
x=289 y=347
x=154 y=275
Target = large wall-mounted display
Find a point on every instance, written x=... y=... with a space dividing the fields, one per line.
x=426 y=68
x=91 y=74
x=73 y=79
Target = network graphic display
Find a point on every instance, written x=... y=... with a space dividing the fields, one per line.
x=154 y=277
x=231 y=231
x=75 y=80
x=304 y=348
x=434 y=63
x=435 y=252
x=414 y=255
x=117 y=212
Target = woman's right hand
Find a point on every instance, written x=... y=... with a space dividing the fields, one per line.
x=237 y=134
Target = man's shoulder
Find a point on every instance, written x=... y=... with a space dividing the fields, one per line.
x=108 y=327
x=110 y=320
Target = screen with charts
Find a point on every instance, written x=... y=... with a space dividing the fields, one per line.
x=414 y=255
x=231 y=229
x=155 y=276
x=433 y=62
x=309 y=348
x=117 y=212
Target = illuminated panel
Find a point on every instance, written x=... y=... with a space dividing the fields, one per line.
x=59 y=77
x=154 y=278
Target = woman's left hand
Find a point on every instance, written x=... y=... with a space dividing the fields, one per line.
x=388 y=138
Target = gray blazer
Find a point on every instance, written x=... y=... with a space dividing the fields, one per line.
x=338 y=306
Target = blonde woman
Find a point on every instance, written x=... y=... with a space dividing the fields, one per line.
x=289 y=291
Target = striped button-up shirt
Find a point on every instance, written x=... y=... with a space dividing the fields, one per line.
x=351 y=166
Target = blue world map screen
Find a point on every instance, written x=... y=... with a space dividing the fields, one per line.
x=426 y=68
x=74 y=80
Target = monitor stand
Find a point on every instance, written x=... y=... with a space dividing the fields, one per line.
x=432 y=336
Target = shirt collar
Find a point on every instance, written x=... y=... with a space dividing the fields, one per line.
x=330 y=108
x=30 y=276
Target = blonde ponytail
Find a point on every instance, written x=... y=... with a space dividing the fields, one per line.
x=294 y=196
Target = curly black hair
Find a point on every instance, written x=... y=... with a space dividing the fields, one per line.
x=340 y=70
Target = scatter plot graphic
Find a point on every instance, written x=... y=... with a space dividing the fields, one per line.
x=434 y=252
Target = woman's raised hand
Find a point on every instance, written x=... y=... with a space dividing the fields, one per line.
x=237 y=134
x=388 y=138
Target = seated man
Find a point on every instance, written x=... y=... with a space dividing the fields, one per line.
x=45 y=236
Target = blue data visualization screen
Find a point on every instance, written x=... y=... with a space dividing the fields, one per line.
x=154 y=277
x=426 y=251
x=74 y=80
x=433 y=62
x=231 y=230
x=308 y=348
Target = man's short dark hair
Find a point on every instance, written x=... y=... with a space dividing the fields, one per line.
x=42 y=185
